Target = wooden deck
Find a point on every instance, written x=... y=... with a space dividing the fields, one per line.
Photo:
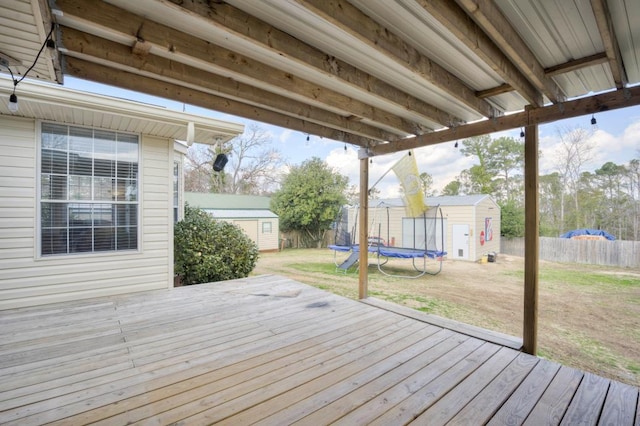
x=273 y=351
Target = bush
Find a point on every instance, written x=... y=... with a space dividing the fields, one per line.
x=207 y=250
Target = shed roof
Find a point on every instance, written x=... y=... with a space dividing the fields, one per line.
x=241 y=214
x=227 y=201
x=383 y=74
x=445 y=200
x=49 y=102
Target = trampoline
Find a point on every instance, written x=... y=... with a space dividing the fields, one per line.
x=425 y=245
x=384 y=253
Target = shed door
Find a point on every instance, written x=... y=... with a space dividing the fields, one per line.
x=460 y=242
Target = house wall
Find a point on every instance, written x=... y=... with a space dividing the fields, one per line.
x=26 y=279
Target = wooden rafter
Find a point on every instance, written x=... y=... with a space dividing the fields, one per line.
x=605 y=27
x=494 y=91
x=122 y=26
x=598 y=103
x=467 y=31
x=352 y=21
x=487 y=15
x=265 y=36
x=122 y=78
x=577 y=64
x=107 y=52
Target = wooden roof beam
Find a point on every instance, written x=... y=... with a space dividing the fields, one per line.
x=104 y=51
x=461 y=25
x=354 y=22
x=265 y=36
x=574 y=65
x=611 y=48
x=121 y=78
x=488 y=17
x=119 y=25
x=577 y=64
x=583 y=106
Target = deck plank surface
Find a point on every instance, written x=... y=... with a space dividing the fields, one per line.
x=272 y=351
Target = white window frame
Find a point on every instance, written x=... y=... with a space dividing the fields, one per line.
x=38 y=200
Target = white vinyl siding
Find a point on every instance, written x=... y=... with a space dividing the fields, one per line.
x=269 y=240
x=28 y=280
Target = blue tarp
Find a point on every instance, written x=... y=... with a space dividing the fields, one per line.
x=597 y=232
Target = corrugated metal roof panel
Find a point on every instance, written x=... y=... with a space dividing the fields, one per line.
x=227 y=201
x=626 y=15
x=558 y=31
x=241 y=214
x=443 y=200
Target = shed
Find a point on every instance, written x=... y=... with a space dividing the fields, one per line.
x=250 y=212
x=468 y=228
x=89 y=189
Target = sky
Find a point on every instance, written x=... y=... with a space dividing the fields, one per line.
x=615 y=137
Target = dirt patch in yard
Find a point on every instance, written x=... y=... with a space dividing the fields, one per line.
x=589 y=317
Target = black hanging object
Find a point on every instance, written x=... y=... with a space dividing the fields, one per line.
x=522 y=133
x=220 y=162
x=593 y=120
x=455 y=145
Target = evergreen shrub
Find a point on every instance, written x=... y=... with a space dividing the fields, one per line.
x=207 y=250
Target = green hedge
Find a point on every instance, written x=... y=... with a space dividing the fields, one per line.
x=207 y=250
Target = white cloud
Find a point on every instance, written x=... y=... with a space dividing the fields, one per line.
x=285 y=136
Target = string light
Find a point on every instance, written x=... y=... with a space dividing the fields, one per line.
x=13 y=102
x=13 y=98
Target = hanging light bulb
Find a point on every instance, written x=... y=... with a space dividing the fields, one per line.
x=522 y=133
x=593 y=120
x=13 y=103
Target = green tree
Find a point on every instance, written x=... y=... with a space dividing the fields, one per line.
x=309 y=200
x=511 y=219
x=550 y=188
x=500 y=164
x=427 y=184
x=452 y=188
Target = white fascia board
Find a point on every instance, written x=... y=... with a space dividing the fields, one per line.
x=55 y=95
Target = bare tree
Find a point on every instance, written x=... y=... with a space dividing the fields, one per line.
x=575 y=153
x=253 y=166
x=197 y=169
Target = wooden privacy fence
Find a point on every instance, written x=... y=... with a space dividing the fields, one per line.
x=625 y=254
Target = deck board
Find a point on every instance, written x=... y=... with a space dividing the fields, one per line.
x=272 y=351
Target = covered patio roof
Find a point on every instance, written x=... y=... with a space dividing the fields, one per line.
x=374 y=73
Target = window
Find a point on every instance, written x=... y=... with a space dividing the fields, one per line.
x=88 y=190
x=176 y=191
x=266 y=227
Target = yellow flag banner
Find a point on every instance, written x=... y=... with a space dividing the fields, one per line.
x=407 y=171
